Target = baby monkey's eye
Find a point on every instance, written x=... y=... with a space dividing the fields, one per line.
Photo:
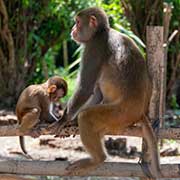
x=77 y=22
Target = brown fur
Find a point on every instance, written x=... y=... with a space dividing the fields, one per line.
x=114 y=80
x=33 y=106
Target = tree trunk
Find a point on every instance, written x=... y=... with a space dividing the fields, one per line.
x=21 y=46
x=7 y=58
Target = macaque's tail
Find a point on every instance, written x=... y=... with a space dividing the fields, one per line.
x=22 y=144
x=23 y=148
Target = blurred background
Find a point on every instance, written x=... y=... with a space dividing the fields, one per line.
x=35 y=43
x=35 y=40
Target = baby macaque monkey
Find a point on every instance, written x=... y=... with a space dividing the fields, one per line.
x=35 y=106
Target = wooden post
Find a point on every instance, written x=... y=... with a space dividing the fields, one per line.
x=155 y=56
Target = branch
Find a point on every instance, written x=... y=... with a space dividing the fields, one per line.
x=167 y=13
x=149 y=14
x=171 y=37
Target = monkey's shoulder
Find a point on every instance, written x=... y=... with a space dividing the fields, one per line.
x=123 y=49
x=118 y=40
x=35 y=90
x=31 y=97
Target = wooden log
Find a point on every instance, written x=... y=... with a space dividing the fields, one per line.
x=12 y=177
x=57 y=168
x=169 y=133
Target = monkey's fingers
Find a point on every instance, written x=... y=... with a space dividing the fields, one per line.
x=52 y=127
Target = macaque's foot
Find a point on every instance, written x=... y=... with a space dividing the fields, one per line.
x=81 y=167
x=35 y=133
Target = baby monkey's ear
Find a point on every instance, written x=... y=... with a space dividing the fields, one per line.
x=52 y=89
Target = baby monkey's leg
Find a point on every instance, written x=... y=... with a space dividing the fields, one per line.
x=29 y=121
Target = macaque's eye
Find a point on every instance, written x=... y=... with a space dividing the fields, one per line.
x=77 y=23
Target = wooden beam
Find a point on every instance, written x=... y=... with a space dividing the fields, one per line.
x=13 y=177
x=169 y=133
x=57 y=168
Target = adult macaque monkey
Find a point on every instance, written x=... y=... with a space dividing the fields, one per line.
x=34 y=105
x=114 y=89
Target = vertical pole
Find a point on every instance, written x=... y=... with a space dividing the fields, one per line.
x=157 y=70
x=155 y=58
x=167 y=13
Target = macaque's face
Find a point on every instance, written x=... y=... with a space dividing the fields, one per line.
x=84 y=28
x=75 y=32
x=56 y=95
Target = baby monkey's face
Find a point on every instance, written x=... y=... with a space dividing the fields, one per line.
x=56 y=95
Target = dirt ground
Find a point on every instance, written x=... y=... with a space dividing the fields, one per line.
x=68 y=149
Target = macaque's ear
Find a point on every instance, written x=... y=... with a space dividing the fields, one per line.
x=52 y=89
x=93 y=22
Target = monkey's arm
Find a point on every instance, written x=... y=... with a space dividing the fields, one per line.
x=95 y=98
x=57 y=127
x=90 y=71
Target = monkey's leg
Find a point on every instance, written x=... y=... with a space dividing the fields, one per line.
x=93 y=124
x=29 y=120
x=92 y=142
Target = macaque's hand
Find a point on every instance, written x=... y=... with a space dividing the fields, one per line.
x=65 y=127
x=57 y=126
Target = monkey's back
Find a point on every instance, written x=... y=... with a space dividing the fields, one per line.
x=34 y=96
x=125 y=76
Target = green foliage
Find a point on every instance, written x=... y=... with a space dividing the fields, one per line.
x=131 y=35
x=43 y=25
x=173 y=102
x=54 y=20
x=116 y=18
x=175 y=19
x=114 y=11
x=70 y=80
x=173 y=48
